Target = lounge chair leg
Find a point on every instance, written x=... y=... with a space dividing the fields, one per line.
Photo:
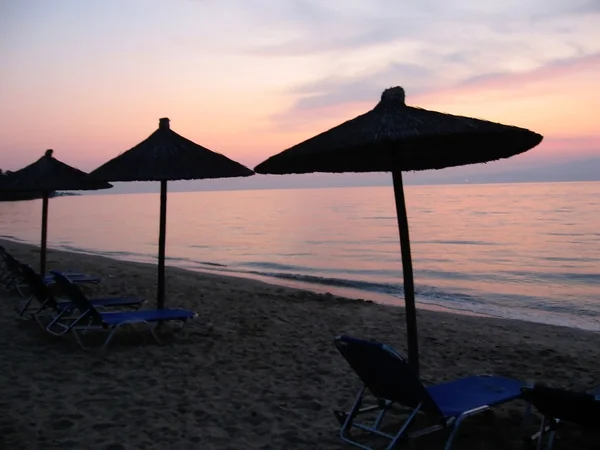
x=183 y=324
x=527 y=415
x=453 y=432
x=151 y=327
x=14 y=283
x=110 y=336
x=550 y=439
x=9 y=282
x=408 y=422
x=65 y=328
x=57 y=318
x=25 y=306
x=182 y=330
x=350 y=418
x=78 y=339
x=19 y=289
x=384 y=405
x=541 y=434
x=38 y=319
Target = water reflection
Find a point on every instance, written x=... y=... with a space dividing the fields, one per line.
x=495 y=242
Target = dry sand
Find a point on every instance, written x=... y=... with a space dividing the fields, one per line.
x=256 y=370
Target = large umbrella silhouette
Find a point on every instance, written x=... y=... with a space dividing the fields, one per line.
x=46 y=175
x=167 y=156
x=394 y=137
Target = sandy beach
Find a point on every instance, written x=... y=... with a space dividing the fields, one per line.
x=256 y=370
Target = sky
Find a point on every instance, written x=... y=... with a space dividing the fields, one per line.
x=250 y=78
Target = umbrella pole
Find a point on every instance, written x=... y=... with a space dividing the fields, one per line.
x=44 y=234
x=160 y=299
x=407 y=271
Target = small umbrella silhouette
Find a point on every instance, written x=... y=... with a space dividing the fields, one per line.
x=167 y=156
x=45 y=175
x=394 y=137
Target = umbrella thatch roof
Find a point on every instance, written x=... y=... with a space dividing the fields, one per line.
x=396 y=137
x=166 y=155
x=49 y=174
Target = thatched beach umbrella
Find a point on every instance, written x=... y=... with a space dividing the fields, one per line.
x=46 y=175
x=394 y=137
x=167 y=156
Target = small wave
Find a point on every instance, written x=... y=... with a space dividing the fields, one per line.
x=294 y=269
x=383 y=288
x=109 y=253
x=12 y=238
x=591 y=278
x=566 y=319
x=391 y=289
x=317 y=242
x=141 y=257
x=460 y=242
x=466 y=276
x=213 y=264
x=511 y=306
x=189 y=261
x=578 y=259
x=276 y=266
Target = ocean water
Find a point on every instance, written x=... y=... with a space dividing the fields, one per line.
x=521 y=251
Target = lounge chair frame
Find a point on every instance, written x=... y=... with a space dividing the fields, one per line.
x=60 y=311
x=90 y=319
x=348 y=420
x=79 y=329
x=557 y=406
x=11 y=277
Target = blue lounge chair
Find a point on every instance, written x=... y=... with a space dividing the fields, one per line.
x=10 y=272
x=90 y=318
x=75 y=277
x=59 y=311
x=559 y=405
x=5 y=272
x=391 y=380
x=12 y=278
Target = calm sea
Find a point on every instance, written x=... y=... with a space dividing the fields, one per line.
x=525 y=251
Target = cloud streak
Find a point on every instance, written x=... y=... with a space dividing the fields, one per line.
x=326 y=30
x=552 y=69
x=428 y=46
x=332 y=95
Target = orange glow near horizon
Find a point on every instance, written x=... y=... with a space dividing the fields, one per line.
x=243 y=131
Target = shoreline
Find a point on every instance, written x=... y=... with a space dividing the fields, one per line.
x=315 y=288
x=257 y=369
x=348 y=294
x=296 y=287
